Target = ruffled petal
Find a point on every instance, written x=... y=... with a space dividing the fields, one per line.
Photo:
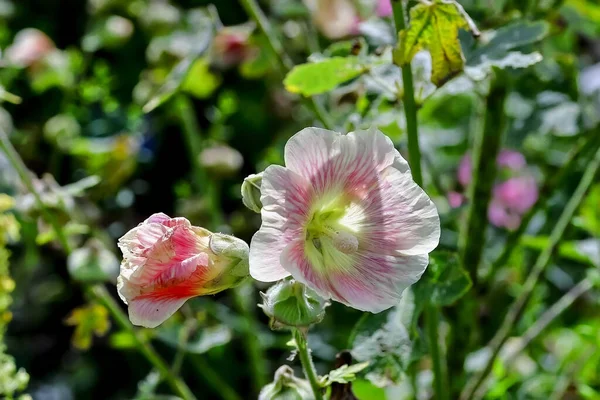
x=332 y=162
x=397 y=216
x=366 y=281
x=150 y=312
x=286 y=198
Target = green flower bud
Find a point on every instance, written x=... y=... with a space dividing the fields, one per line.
x=290 y=304
x=232 y=254
x=286 y=386
x=251 y=192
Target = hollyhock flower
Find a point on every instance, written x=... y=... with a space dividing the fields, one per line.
x=512 y=197
x=509 y=159
x=345 y=218
x=167 y=261
x=384 y=8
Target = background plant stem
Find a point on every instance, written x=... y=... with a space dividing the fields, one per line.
x=515 y=311
x=486 y=147
x=281 y=58
x=98 y=292
x=548 y=187
x=432 y=314
x=307 y=363
x=243 y=297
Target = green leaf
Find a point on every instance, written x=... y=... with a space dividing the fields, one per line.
x=582 y=251
x=499 y=51
x=582 y=16
x=177 y=78
x=324 y=75
x=344 y=374
x=200 y=82
x=444 y=282
x=435 y=26
x=383 y=340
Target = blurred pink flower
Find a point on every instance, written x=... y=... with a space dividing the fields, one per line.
x=510 y=159
x=345 y=218
x=455 y=199
x=511 y=198
x=384 y=8
x=167 y=261
x=231 y=46
x=30 y=46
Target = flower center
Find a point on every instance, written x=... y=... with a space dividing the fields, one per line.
x=327 y=228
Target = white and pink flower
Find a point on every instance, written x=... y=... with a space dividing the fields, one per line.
x=167 y=261
x=344 y=217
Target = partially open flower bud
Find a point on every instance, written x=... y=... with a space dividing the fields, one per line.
x=167 y=261
x=251 y=192
x=286 y=386
x=290 y=304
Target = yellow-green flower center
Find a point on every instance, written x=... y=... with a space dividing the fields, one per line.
x=331 y=238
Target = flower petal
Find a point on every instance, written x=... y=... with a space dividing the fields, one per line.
x=150 y=312
x=331 y=161
x=399 y=217
x=371 y=282
x=286 y=197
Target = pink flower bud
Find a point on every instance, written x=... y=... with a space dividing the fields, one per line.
x=167 y=261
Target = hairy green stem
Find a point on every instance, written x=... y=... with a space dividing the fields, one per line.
x=486 y=148
x=515 y=311
x=410 y=106
x=98 y=292
x=432 y=314
x=307 y=364
x=283 y=61
x=244 y=301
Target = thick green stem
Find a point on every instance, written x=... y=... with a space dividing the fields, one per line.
x=307 y=364
x=486 y=148
x=410 y=106
x=514 y=313
x=244 y=301
x=432 y=314
x=283 y=61
x=97 y=292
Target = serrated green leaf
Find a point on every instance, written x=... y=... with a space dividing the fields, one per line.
x=323 y=76
x=434 y=26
